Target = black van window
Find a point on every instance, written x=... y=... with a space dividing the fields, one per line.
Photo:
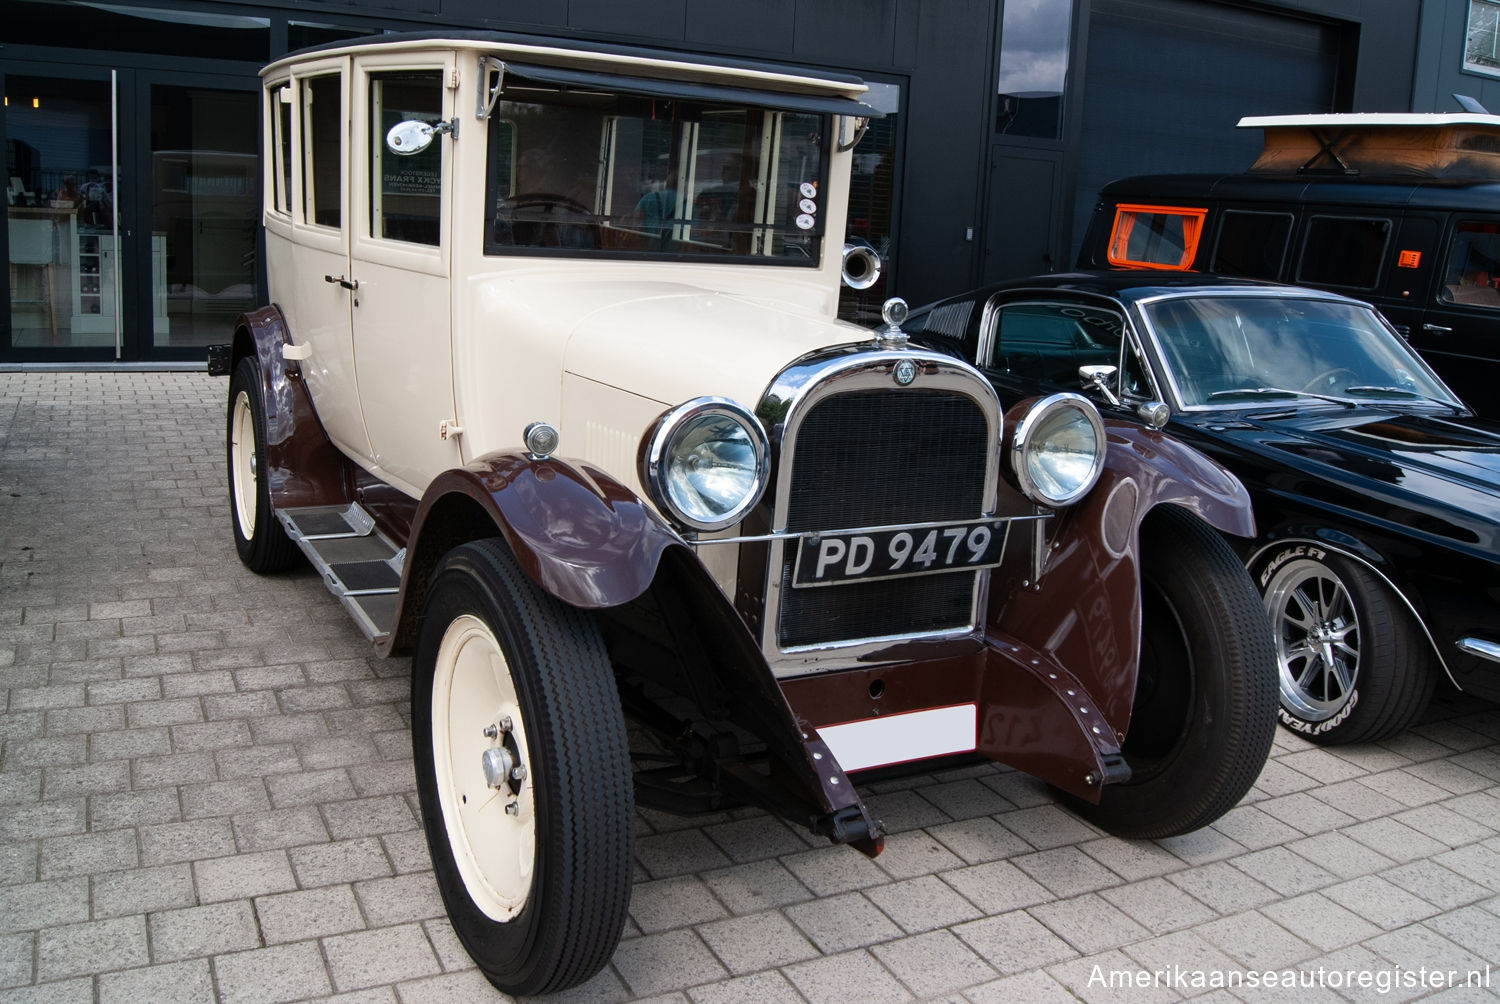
x=1251 y=244
x=1473 y=266
x=1340 y=251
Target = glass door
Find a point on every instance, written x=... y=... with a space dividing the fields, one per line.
x=205 y=214
x=63 y=238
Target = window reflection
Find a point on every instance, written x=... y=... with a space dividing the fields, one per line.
x=1033 y=67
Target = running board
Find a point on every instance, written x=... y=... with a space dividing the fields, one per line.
x=358 y=563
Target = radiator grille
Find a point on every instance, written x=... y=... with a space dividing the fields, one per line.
x=882 y=458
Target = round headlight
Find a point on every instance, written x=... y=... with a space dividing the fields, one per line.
x=706 y=463
x=1057 y=450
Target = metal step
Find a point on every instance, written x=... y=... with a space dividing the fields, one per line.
x=359 y=564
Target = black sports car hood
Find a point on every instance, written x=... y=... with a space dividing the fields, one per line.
x=1425 y=462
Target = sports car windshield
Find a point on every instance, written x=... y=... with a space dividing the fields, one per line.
x=1235 y=350
x=580 y=170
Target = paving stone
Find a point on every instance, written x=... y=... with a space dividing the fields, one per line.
x=242 y=876
x=32 y=905
x=18 y=862
x=1158 y=905
x=259 y=831
x=833 y=869
x=177 y=983
x=202 y=931
x=1132 y=859
x=185 y=841
x=1379 y=901
x=43 y=819
x=362 y=817
x=757 y=886
x=965 y=799
x=666 y=904
x=1395 y=840
x=1283 y=871
x=466 y=986
x=1342 y=855
x=16 y=955
x=756 y=838
x=1014 y=941
x=1035 y=987
x=1439 y=886
x=74 y=991
x=978 y=840
x=1047 y=826
x=1067 y=871
x=1103 y=978
x=143 y=890
x=828 y=980
x=267 y=975
x=756 y=941
x=996 y=886
x=933 y=963
x=1089 y=923
x=381 y=956
x=1222 y=886
x=133 y=808
x=90 y=947
x=300 y=916
x=1446 y=822
x=914 y=853
x=339 y=861
x=1253 y=827
x=660 y=963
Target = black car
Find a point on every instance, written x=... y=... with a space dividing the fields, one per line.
x=1376 y=491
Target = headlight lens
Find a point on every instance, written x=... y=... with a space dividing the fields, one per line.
x=1057 y=450
x=706 y=463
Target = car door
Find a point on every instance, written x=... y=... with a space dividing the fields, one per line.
x=1460 y=331
x=400 y=270
x=1037 y=343
x=307 y=238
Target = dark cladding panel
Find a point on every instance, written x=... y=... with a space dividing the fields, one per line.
x=660 y=21
x=736 y=26
x=504 y=13
x=852 y=33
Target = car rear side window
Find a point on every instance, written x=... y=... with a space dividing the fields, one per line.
x=1155 y=236
x=1343 y=251
x=1049 y=341
x=1473 y=272
x=406 y=191
x=1251 y=244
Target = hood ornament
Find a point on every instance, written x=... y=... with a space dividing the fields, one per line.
x=889 y=335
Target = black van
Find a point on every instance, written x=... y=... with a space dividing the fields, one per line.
x=1400 y=210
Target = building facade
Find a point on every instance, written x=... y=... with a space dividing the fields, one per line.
x=131 y=129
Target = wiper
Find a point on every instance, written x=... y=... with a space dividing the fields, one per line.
x=1276 y=392
x=1402 y=392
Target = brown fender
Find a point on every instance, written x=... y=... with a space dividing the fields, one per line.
x=302 y=467
x=590 y=542
x=1084 y=613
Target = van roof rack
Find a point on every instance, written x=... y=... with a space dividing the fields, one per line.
x=1460 y=145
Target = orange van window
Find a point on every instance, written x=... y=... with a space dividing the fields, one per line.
x=1155 y=236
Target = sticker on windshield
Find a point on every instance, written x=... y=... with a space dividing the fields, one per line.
x=809 y=190
x=808 y=206
x=805 y=222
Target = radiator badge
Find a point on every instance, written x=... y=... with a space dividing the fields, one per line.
x=904 y=372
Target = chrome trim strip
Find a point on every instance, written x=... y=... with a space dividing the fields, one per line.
x=1478 y=646
x=760 y=538
x=791 y=395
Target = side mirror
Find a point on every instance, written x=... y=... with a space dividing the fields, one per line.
x=412 y=136
x=1154 y=413
x=1098 y=378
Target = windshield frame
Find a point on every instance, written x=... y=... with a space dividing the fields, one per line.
x=745 y=203
x=1147 y=311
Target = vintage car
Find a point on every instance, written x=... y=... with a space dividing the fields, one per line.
x=552 y=393
x=1376 y=491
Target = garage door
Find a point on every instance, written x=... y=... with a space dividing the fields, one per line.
x=1166 y=80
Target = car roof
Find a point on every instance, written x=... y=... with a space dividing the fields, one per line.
x=1130 y=285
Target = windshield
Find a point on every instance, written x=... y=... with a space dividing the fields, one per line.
x=1228 y=350
x=597 y=172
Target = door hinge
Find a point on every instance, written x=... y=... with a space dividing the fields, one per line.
x=453 y=79
x=448 y=429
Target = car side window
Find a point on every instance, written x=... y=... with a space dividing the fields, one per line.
x=280 y=121
x=1473 y=274
x=322 y=150
x=1343 y=251
x=1049 y=341
x=405 y=191
x=1251 y=244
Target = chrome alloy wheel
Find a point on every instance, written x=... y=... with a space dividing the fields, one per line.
x=1317 y=639
x=480 y=755
x=242 y=463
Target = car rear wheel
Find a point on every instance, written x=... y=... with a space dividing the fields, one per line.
x=259 y=538
x=1352 y=665
x=1204 y=713
x=523 y=773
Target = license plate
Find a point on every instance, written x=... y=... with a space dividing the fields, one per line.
x=884 y=554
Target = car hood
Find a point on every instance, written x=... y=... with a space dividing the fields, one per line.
x=1414 y=469
x=671 y=342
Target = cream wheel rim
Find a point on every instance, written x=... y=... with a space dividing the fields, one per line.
x=481 y=761
x=242 y=464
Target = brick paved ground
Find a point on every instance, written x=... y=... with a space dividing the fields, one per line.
x=206 y=792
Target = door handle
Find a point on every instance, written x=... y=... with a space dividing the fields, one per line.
x=346 y=283
x=1436 y=329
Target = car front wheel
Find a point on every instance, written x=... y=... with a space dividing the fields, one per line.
x=258 y=536
x=1352 y=665
x=523 y=773
x=1204 y=713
